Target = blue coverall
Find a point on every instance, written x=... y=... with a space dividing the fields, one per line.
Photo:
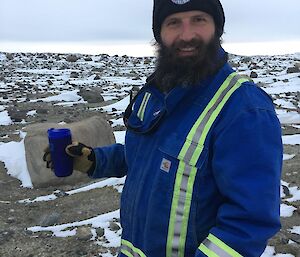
x=232 y=202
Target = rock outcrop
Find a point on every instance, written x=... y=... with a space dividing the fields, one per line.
x=94 y=131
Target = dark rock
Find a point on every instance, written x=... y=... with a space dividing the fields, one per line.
x=95 y=69
x=293 y=249
x=42 y=56
x=84 y=233
x=246 y=59
x=114 y=226
x=100 y=232
x=253 y=74
x=40 y=110
x=45 y=234
x=9 y=56
x=74 y=75
x=293 y=70
x=281 y=238
x=49 y=82
x=97 y=77
x=295 y=237
x=91 y=95
x=88 y=59
x=60 y=193
x=17 y=115
x=286 y=191
x=147 y=61
x=72 y=58
x=28 y=232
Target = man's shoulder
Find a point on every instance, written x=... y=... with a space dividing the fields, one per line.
x=250 y=96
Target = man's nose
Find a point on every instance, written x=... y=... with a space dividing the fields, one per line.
x=187 y=32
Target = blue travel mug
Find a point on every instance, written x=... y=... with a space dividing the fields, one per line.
x=62 y=162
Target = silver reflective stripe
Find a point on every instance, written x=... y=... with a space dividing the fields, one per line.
x=179 y=210
x=144 y=103
x=125 y=249
x=216 y=249
x=187 y=171
x=129 y=250
x=197 y=135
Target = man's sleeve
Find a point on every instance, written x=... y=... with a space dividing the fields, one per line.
x=110 y=162
x=247 y=162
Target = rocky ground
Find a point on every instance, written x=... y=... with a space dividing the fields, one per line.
x=98 y=80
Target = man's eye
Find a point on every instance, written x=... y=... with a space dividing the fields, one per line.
x=199 y=19
x=172 y=23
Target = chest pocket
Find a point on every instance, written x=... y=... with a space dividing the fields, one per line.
x=178 y=166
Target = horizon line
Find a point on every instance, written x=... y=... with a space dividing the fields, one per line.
x=141 y=48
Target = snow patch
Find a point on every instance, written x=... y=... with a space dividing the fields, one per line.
x=13 y=156
x=286 y=210
x=291 y=139
x=270 y=252
x=5 y=118
x=66 y=230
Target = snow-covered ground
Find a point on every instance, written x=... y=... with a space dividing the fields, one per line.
x=272 y=77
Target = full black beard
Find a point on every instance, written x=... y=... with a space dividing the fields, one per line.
x=173 y=70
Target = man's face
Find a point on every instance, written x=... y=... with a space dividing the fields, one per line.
x=188 y=50
x=182 y=31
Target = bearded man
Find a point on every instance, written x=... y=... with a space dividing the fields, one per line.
x=203 y=150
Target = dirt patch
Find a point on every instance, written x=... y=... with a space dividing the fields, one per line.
x=16 y=217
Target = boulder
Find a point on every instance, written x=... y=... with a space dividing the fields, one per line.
x=294 y=69
x=91 y=95
x=74 y=75
x=72 y=58
x=9 y=56
x=94 y=131
x=16 y=114
x=253 y=75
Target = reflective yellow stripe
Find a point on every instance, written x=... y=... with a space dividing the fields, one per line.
x=223 y=246
x=186 y=172
x=203 y=114
x=141 y=111
x=129 y=250
x=212 y=118
x=207 y=252
x=126 y=253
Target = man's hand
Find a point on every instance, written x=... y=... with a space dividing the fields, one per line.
x=83 y=157
x=47 y=158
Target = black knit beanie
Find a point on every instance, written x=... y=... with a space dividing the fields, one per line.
x=163 y=8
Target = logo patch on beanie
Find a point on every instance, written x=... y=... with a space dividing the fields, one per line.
x=180 y=1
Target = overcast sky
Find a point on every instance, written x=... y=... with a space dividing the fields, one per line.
x=122 y=20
